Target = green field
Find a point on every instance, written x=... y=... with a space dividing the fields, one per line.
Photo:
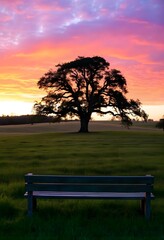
x=99 y=153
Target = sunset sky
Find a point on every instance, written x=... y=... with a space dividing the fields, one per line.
x=36 y=35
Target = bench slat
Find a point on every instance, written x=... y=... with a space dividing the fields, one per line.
x=88 y=195
x=89 y=187
x=89 y=179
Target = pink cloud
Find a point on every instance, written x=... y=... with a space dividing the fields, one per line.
x=36 y=35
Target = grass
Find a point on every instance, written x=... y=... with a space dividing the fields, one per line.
x=99 y=153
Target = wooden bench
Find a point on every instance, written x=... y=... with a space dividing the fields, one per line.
x=89 y=187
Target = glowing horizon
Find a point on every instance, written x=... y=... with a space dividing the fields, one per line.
x=37 y=35
x=26 y=108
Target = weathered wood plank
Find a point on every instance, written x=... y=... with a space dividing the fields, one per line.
x=89 y=187
x=89 y=195
x=90 y=179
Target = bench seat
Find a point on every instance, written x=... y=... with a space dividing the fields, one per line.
x=89 y=195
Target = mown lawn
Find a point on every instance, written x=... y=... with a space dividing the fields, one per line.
x=101 y=153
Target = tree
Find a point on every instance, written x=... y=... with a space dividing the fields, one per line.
x=160 y=124
x=86 y=86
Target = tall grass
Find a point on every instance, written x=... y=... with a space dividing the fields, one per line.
x=101 y=153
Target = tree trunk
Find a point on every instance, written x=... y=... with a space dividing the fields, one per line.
x=84 y=122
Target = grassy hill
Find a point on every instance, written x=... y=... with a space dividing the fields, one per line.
x=110 y=152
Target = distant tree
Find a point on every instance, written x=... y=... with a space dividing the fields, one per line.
x=25 y=119
x=85 y=86
x=160 y=124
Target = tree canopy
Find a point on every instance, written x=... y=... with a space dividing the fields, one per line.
x=85 y=86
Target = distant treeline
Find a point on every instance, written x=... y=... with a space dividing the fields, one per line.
x=25 y=119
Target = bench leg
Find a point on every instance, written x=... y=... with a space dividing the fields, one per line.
x=32 y=204
x=142 y=206
x=146 y=207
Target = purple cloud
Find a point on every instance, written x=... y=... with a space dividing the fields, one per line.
x=35 y=35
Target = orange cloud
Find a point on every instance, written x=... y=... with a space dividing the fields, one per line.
x=37 y=35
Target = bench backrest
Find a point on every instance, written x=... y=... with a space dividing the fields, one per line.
x=89 y=183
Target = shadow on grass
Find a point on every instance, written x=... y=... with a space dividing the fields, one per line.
x=87 y=220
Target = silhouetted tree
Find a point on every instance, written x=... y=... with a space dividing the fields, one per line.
x=160 y=124
x=85 y=86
